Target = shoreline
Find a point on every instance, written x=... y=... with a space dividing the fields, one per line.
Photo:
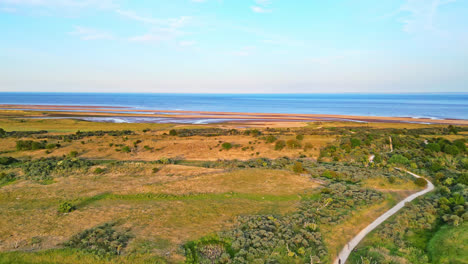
x=71 y=111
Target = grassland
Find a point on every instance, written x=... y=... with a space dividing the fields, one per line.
x=169 y=190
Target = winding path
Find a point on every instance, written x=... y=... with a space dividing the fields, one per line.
x=346 y=251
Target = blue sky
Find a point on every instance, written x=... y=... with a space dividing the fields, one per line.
x=234 y=46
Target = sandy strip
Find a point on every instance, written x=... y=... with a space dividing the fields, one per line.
x=122 y=111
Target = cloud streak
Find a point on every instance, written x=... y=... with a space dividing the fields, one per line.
x=85 y=33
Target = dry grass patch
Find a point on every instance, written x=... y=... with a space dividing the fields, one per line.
x=255 y=181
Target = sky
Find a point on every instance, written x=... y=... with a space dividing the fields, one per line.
x=234 y=46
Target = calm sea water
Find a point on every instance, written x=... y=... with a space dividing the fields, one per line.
x=437 y=106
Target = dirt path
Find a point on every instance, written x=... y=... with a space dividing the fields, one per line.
x=346 y=251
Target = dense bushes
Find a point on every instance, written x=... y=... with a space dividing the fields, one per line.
x=80 y=135
x=20 y=134
x=7 y=160
x=42 y=169
x=6 y=178
x=101 y=240
x=293 y=238
x=29 y=145
x=206 y=132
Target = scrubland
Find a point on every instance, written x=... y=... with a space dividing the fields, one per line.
x=83 y=192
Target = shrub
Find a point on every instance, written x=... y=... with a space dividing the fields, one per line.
x=73 y=154
x=52 y=146
x=308 y=146
x=6 y=177
x=280 y=144
x=173 y=132
x=66 y=207
x=298 y=168
x=126 y=149
x=270 y=139
x=99 y=171
x=7 y=160
x=399 y=159
x=451 y=149
x=29 y=145
x=2 y=132
x=300 y=137
x=420 y=182
x=101 y=240
x=226 y=145
x=434 y=147
x=293 y=144
x=355 y=142
x=155 y=170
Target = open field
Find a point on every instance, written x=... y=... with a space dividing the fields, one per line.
x=254 y=191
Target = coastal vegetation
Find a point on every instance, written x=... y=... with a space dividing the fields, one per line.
x=89 y=192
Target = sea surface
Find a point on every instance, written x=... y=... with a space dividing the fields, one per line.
x=434 y=106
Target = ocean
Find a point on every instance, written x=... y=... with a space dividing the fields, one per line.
x=434 y=106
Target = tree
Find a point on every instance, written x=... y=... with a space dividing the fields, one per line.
x=300 y=137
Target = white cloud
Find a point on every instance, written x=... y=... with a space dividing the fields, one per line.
x=90 y=34
x=187 y=43
x=261 y=6
x=258 y=9
x=420 y=14
x=61 y=3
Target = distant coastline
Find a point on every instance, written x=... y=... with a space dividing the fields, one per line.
x=117 y=114
x=416 y=106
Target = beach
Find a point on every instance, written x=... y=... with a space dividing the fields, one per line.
x=124 y=114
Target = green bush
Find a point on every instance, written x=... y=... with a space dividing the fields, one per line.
x=420 y=182
x=99 y=171
x=173 y=132
x=102 y=240
x=399 y=159
x=451 y=149
x=270 y=139
x=226 y=146
x=155 y=170
x=66 y=207
x=73 y=154
x=126 y=149
x=29 y=145
x=6 y=177
x=355 y=142
x=293 y=144
x=280 y=144
x=434 y=147
x=300 y=137
x=7 y=160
